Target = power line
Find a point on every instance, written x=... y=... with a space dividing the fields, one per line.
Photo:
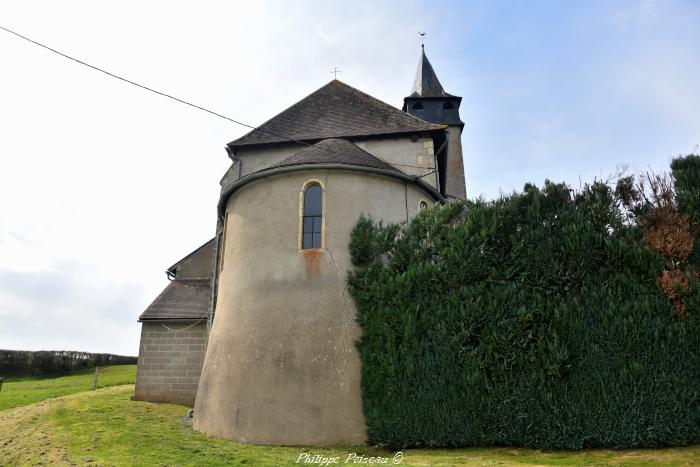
x=125 y=80
x=177 y=99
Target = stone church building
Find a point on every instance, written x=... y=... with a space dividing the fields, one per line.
x=256 y=328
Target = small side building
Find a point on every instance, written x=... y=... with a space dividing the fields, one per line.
x=174 y=332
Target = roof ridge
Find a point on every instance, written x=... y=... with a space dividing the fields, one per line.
x=318 y=145
x=385 y=103
x=335 y=150
x=257 y=128
x=334 y=110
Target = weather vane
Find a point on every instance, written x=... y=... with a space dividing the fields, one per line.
x=422 y=38
x=335 y=72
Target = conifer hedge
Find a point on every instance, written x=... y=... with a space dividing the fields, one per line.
x=52 y=362
x=537 y=320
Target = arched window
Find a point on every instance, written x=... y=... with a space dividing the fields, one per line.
x=312 y=222
x=417 y=106
x=448 y=105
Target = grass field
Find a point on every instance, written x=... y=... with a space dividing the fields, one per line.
x=17 y=392
x=105 y=427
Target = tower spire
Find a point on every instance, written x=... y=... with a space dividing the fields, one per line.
x=426 y=82
x=429 y=101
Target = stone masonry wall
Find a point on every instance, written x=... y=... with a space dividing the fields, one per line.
x=170 y=363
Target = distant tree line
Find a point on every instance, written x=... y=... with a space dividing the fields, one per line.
x=47 y=362
x=549 y=318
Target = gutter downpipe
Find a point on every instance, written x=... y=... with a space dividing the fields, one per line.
x=215 y=273
x=435 y=161
x=214 y=279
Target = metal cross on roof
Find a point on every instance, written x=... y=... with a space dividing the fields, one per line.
x=335 y=72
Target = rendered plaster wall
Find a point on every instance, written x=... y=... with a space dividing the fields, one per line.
x=414 y=157
x=281 y=365
x=255 y=159
x=409 y=156
x=170 y=363
x=199 y=265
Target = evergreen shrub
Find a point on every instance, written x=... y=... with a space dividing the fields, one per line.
x=52 y=362
x=533 y=320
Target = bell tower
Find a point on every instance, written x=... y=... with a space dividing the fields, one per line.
x=429 y=101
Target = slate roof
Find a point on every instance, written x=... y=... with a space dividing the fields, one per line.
x=327 y=151
x=426 y=82
x=335 y=151
x=181 y=299
x=334 y=111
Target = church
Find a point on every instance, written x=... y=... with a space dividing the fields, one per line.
x=256 y=328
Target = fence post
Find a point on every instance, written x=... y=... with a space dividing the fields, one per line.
x=1 y=380
x=94 y=378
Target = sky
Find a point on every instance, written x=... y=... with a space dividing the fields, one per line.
x=103 y=185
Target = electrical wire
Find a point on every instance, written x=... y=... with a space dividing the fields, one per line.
x=182 y=101
x=183 y=329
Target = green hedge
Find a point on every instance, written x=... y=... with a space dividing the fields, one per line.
x=534 y=320
x=50 y=362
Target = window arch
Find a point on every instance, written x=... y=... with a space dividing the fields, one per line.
x=312 y=210
x=448 y=105
x=417 y=106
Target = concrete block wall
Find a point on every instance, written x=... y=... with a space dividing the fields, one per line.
x=170 y=363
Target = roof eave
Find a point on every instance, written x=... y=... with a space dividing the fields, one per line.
x=429 y=98
x=229 y=190
x=437 y=127
x=151 y=320
x=433 y=98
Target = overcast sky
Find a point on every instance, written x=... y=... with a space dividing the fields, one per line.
x=103 y=186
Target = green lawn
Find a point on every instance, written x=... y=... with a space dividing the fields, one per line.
x=105 y=427
x=16 y=392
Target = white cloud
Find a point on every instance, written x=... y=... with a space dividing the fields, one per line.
x=102 y=185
